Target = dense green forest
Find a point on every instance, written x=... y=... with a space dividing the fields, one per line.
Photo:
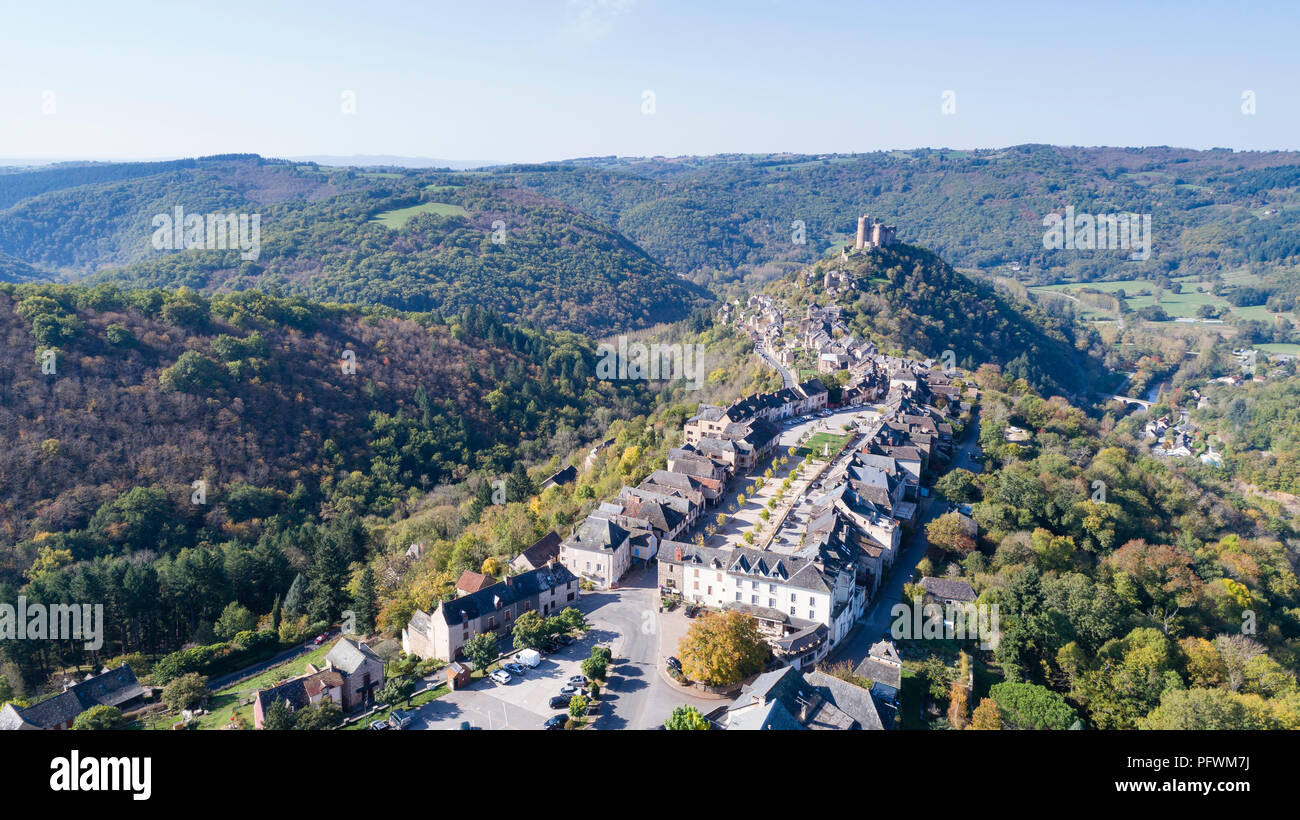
x=300 y=418
x=470 y=242
x=529 y=259
x=728 y=215
x=1147 y=594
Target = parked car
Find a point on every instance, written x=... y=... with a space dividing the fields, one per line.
x=513 y=668
x=564 y=640
x=691 y=611
x=560 y=701
x=550 y=647
x=500 y=676
x=320 y=639
x=577 y=680
x=568 y=689
x=555 y=723
x=399 y=719
x=379 y=724
x=674 y=663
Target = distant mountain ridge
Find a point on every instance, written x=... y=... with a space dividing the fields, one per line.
x=394 y=161
x=415 y=240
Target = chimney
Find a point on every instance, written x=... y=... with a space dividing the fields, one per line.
x=678 y=554
x=807 y=706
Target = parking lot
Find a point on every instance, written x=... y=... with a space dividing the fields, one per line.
x=523 y=703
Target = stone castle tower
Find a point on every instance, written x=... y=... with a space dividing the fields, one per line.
x=873 y=233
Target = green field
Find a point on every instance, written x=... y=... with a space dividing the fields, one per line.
x=1289 y=349
x=397 y=219
x=1177 y=305
x=820 y=441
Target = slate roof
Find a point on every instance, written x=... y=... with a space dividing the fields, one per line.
x=565 y=476
x=951 y=589
x=787 y=699
x=544 y=550
x=597 y=534
x=812 y=387
x=113 y=687
x=882 y=665
x=348 y=655
x=682 y=553
x=501 y=594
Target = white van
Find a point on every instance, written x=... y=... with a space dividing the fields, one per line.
x=529 y=657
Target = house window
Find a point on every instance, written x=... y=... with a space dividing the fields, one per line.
x=753 y=584
x=812 y=614
x=771 y=602
x=737 y=596
x=697 y=573
x=697 y=585
x=771 y=587
x=791 y=610
x=710 y=590
x=570 y=596
x=753 y=599
x=719 y=576
x=492 y=622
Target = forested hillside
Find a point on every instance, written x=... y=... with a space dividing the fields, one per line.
x=512 y=251
x=911 y=301
x=705 y=216
x=424 y=241
x=1133 y=592
x=155 y=390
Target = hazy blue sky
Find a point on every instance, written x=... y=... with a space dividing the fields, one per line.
x=551 y=79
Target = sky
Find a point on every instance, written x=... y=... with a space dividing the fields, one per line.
x=556 y=79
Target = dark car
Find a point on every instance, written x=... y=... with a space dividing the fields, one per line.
x=550 y=647
x=560 y=701
x=674 y=663
x=691 y=611
x=555 y=723
x=565 y=640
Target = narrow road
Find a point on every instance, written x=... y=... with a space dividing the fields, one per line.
x=787 y=376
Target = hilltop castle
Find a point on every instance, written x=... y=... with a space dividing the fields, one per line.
x=873 y=234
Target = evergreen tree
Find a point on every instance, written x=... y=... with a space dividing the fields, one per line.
x=364 y=603
x=293 y=599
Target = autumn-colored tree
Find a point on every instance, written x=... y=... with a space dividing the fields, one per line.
x=953 y=532
x=722 y=649
x=987 y=716
x=958 y=705
x=1162 y=571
